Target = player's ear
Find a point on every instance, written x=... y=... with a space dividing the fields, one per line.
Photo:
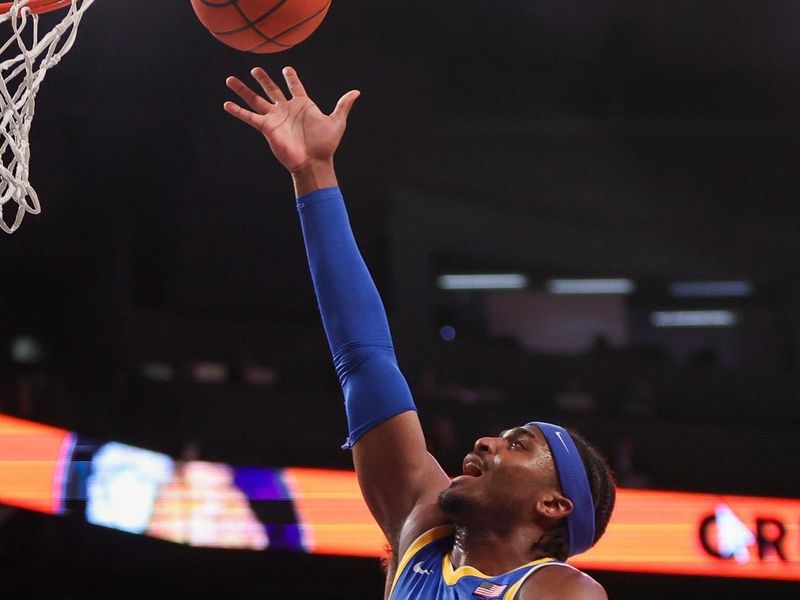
x=554 y=506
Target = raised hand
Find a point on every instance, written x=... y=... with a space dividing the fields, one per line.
x=298 y=132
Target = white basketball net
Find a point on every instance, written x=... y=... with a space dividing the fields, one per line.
x=31 y=55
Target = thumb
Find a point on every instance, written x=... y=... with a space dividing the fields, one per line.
x=344 y=105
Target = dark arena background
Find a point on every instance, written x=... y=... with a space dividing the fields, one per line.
x=631 y=168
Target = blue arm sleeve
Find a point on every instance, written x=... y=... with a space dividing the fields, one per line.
x=353 y=316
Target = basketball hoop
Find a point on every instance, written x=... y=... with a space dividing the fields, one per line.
x=23 y=66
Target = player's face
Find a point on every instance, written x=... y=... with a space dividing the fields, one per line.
x=505 y=475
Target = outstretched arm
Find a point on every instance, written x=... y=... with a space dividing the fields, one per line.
x=395 y=471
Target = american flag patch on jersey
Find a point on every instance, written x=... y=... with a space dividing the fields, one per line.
x=489 y=590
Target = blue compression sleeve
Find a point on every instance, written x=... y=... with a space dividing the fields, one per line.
x=353 y=316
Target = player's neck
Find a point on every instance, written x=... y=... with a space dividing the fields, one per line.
x=493 y=552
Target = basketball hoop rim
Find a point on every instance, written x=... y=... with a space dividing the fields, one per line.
x=37 y=6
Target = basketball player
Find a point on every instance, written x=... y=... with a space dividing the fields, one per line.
x=528 y=498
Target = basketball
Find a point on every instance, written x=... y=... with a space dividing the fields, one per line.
x=261 y=26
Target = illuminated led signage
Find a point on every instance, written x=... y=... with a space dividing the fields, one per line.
x=319 y=511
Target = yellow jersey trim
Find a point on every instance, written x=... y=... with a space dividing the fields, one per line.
x=418 y=544
x=451 y=575
x=511 y=592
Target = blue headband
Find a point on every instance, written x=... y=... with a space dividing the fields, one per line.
x=574 y=485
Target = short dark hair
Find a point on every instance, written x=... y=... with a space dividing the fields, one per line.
x=604 y=495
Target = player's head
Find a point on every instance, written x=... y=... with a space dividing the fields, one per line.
x=540 y=476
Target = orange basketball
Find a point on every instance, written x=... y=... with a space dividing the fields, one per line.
x=261 y=26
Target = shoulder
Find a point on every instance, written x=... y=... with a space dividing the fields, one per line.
x=563 y=583
x=424 y=518
x=423 y=537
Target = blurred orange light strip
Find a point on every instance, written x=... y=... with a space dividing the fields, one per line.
x=332 y=512
x=32 y=460
x=650 y=532
x=662 y=532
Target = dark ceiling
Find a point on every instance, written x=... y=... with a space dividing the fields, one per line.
x=681 y=118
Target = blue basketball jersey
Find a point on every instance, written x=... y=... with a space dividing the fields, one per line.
x=426 y=573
